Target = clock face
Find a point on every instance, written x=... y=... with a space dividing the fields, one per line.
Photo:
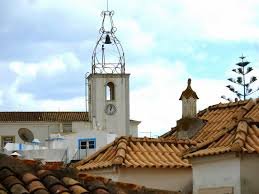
x=110 y=109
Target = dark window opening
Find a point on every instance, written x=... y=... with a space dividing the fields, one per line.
x=7 y=139
x=91 y=144
x=87 y=144
x=67 y=127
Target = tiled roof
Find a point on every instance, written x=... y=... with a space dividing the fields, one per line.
x=43 y=116
x=229 y=127
x=133 y=152
x=18 y=177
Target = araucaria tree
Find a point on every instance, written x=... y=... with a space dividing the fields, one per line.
x=242 y=81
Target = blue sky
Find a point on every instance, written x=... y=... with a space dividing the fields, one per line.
x=46 y=49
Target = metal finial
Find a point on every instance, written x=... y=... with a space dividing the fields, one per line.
x=108 y=54
x=189 y=82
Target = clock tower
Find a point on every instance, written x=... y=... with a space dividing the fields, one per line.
x=108 y=84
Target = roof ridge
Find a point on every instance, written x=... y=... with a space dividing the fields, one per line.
x=240 y=137
x=120 y=151
x=162 y=140
x=224 y=105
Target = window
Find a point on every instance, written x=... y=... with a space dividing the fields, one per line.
x=91 y=144
x=110 y=91
x=83 y=145
x=223 y=190
x=7 y=139
x=87 y=143
x=67 y=127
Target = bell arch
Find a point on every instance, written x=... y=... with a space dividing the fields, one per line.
x=110 y=91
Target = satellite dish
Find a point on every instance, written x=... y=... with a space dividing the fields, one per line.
x=26 y=135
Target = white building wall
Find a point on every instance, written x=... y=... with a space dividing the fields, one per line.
x=109 y=173
x=171 y=179
x=249 y=174
x=80 y=130
x=134 y=128
x=119 y=122
x=41 y=130
x=49 y=155
x=216 y=172
x=73 y=140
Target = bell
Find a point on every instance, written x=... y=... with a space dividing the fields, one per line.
x=107 y=39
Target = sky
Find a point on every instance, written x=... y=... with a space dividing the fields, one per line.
x=46 y=48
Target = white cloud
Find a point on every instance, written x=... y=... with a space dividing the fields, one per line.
x=11 y=98
x=50 y=67
x=137 y=39
x=18 y=101
x=222 y=20
x=157 y=105
x=232 y=20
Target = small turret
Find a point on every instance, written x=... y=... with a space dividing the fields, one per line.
x=189 y=124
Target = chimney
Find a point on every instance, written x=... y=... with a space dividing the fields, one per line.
x=188 y=98
x=189 y=124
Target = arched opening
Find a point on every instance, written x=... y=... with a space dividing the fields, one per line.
x=110 y=91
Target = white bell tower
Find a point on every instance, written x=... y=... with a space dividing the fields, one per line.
x=108 y=84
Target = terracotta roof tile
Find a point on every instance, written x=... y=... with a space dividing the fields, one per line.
x=43 y=116
x=18 y=189
x=210 y=151
x=16 y=176
x=2 y=187
x=19 y=178
x=29 y=177
x=41 y=192
x=10 y=181
x=229 y=127
x=35 y=185
x=50 y=181
x=243 y=138
x=138 y=153
x=77 y=189
x=4 y=173
x=43 y=173
x=70 y=182
x=58 y=189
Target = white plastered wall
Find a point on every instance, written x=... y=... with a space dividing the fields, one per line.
x=249 y=173
x=41 y=130
x=171 y=179
x=216 y=171
x=119 y=122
